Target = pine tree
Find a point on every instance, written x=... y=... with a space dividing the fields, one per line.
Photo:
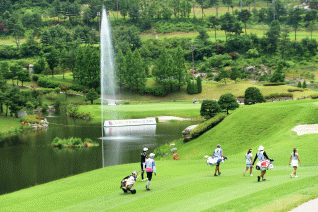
x=91 y=95
x=78 y=71
x=304 y=84
x=299 y=85
x=199 y=84
x=129 y=70
x=139 y=76
x=180 y=69
x=120 y=69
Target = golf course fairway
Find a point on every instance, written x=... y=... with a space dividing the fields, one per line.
x=188 y=184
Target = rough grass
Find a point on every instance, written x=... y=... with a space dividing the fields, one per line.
x=188 y=184
x=8 y=123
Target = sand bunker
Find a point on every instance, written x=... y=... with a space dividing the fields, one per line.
x=167 y=118
x=306 y=129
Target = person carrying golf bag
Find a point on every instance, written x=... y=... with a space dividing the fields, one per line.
x=128 y=182
x=261 y=155
x=150 y=168
x=143 y=161
x=218 y=153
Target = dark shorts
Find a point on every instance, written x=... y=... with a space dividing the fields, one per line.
x=149 y=176
x=218 y=164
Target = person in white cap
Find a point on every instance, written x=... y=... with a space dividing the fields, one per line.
x=294 y=162
x=261 y=155
x=150 y=168
x=218 y=153
x=143 y=161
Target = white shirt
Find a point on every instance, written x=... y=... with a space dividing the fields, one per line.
x=294 y=156
x=260 y=156
x=248 y=158
x=217 y=152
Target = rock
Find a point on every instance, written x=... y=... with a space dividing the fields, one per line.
x=186 y=133
x=206 y=157
x=172 y=144
x=166 y=154
x=173 y=150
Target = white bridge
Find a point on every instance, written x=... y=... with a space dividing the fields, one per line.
x=130 y=122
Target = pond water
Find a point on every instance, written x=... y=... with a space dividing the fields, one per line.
x=28 y=159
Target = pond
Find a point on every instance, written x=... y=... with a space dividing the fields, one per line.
x=28 y=159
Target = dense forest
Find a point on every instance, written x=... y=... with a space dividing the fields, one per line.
x=60 y=37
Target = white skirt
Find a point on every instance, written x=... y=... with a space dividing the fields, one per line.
x=294 y=163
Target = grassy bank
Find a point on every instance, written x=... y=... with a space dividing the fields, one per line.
x=188 y=184
x=8 y=123
x=181 y=109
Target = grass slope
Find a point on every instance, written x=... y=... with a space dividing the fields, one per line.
x=188 y=184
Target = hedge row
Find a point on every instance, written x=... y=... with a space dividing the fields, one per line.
x=274 y=83
x=47 y=83
x=314 y=96
x=156 y=91
x=40 y=90
x=207 y=125
x=295 y=89
x=279 y=95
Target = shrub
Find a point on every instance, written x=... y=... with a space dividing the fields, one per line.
x=47 y=83
x=209 y=108
x=51 y=96
x=274 y=83
x=57 y=90
x=35 y=77
x=207 y=125
x=73 y=142
x=253 y=95
x=72 y=111
x=44 y=107
x=32 y=119
x=278 y=95
x=77 y=87
x=158 y=91
x=45 y=90
x=314 y=96
x=295 y=89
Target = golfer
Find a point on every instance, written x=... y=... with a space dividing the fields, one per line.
x=261 y=155
x=218 y=153
x=142 y=162
x=294 y=162
x=150 y=168
x=249 y=159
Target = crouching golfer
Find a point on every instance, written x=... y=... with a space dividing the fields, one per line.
x=218 y=153
x=150 y=168
x=294 y=162
x=261 y=155
x=142 y=162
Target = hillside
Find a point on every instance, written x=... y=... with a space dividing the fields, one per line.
x=188 y=184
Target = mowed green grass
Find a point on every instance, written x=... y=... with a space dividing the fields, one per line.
x=188 y=184
x=181 y=109
x=8 y=123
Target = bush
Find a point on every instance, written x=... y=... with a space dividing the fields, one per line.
x=278 y=95
x=207 y=125
x=77 y=87
x=72 y=111
x=51 y=96
x=295 y=89
x=73 y=142
x=314 y=96
x=158 y=91
x=253 y=95
x=274 y=83
x=209 y=108
x=35 y=77
x=32 y=119
x=47 y=83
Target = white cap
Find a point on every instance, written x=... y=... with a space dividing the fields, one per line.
x=260 y=148
x=145 y=149
x=151 y=155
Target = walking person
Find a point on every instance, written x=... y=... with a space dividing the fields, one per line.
x=143 y=161
x=150 y=168
x=294 y=162
x=261 y=155
x=218 y=153
x=249 y=159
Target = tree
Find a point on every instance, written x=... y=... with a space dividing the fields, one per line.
x=64 y=87
x=18 y=32
x=304 y=84
x=139 y=77
x=123 y=6
x=199 y=84
x=204 y=4
x=134 y=6
x=14 y=70
x=245 y=15
x=120 y=69
x=299 y=85
x=278 y=75
x=294 y=18
x=235 y=73
x=272 y=37
x=214 y=22
x=129 y=70
x=15 y=101
x=224 y=74
x=180 y=69
x=23 y=76
x=209 y=108
x=311 y=16
x=253 y=95
x=228 y=102
x=284 y=42
x=52 y=59
x=91 y=95
x=203 y=37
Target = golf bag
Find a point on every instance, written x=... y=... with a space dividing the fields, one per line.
x=215 y=160
x=128 y=183
x=265 y=165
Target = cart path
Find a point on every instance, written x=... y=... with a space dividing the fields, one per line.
x=310 y=206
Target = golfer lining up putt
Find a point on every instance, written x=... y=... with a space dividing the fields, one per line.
x=150 y=168
x=218 y=153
